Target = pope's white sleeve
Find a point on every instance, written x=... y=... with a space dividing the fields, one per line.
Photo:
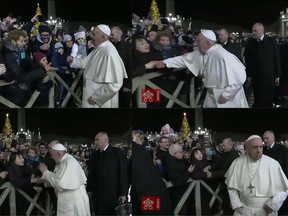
x=106 y=92
x=175 y=62
x=231 y=91
x=80 y=63
x=52 y=179
x=276 y=202
x=234 y=198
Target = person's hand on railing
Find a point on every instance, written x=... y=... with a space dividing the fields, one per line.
x=191 y=168
x=160 y=64
x=209 y=174
x=2 y=69
x=3 y=174
x=150 y=65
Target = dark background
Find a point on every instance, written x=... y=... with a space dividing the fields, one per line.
x=240 y=13
x=107 y=11
x=72 y=122
x=251 y=121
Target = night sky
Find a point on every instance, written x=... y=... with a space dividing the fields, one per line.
x=241 y=13
x=251 y=121
x=108 y=11
x=72 y=122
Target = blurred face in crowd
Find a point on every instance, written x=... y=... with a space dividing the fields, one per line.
x=223 y=36
x=45 y=37
x=164 y=144
x=268 y=138
x=69 y=43
x=179 y=154
x=101 y=141
x=31 y=153
x=152 y=36
x=142 y=45
x=21 y=146
x=42 y=149
x=97 y=36
x=116 y=34
x=203 y=43
x=227 y=145
x=257 y=31
x=198 y=155
x=255 y=148
x=164 y=41
x=44 y=61
x=21 y=41
x=164 y=131
x=19 y=160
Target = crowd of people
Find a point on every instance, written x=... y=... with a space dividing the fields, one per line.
x=30 y=53
x=79 y=181
x=230 y=71
x=220 y=165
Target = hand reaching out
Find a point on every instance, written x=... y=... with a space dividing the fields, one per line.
x=160 y=64
x=150 y=65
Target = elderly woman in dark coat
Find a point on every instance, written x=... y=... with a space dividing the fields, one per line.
x=20 y=68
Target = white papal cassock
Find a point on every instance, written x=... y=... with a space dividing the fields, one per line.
x=68 y=180
x=103 y=76
x=269 y=185
x=223 y=74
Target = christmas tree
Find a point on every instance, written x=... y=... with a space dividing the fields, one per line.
x=185 y=128
x=7 y=129
x=154 y=14
x=7 y=132
x=37 y=23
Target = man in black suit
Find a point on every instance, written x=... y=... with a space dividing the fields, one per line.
x=233 y=48
x=280 y=154
x=262 y=59
x=107 y=181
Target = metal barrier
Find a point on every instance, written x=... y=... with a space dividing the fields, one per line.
x=197 y=185
x=9 y=189
x=142 y=82
x=55 y=78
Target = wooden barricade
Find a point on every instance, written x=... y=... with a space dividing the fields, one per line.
x=55 y=78
x=9 y=189
x=197 y=185
x=142 y=82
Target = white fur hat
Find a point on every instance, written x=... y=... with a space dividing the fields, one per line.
x=209 y=34
x=59 y=147
x=80 y=35
x=105 y=29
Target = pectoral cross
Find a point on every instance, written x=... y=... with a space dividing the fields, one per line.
x=250 y=187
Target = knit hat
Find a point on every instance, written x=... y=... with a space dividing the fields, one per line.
x=80 y=35
x=67 y=37
x=81 y=28
x=38 y=56
x=58 y=45
x=44 y=28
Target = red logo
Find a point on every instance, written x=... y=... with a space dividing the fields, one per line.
x=151 y=95
x=151 y=204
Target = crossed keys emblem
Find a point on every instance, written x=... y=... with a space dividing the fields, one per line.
x=148 y=204
x=148 y=96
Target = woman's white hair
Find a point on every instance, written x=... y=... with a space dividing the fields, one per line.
x=174 y=148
